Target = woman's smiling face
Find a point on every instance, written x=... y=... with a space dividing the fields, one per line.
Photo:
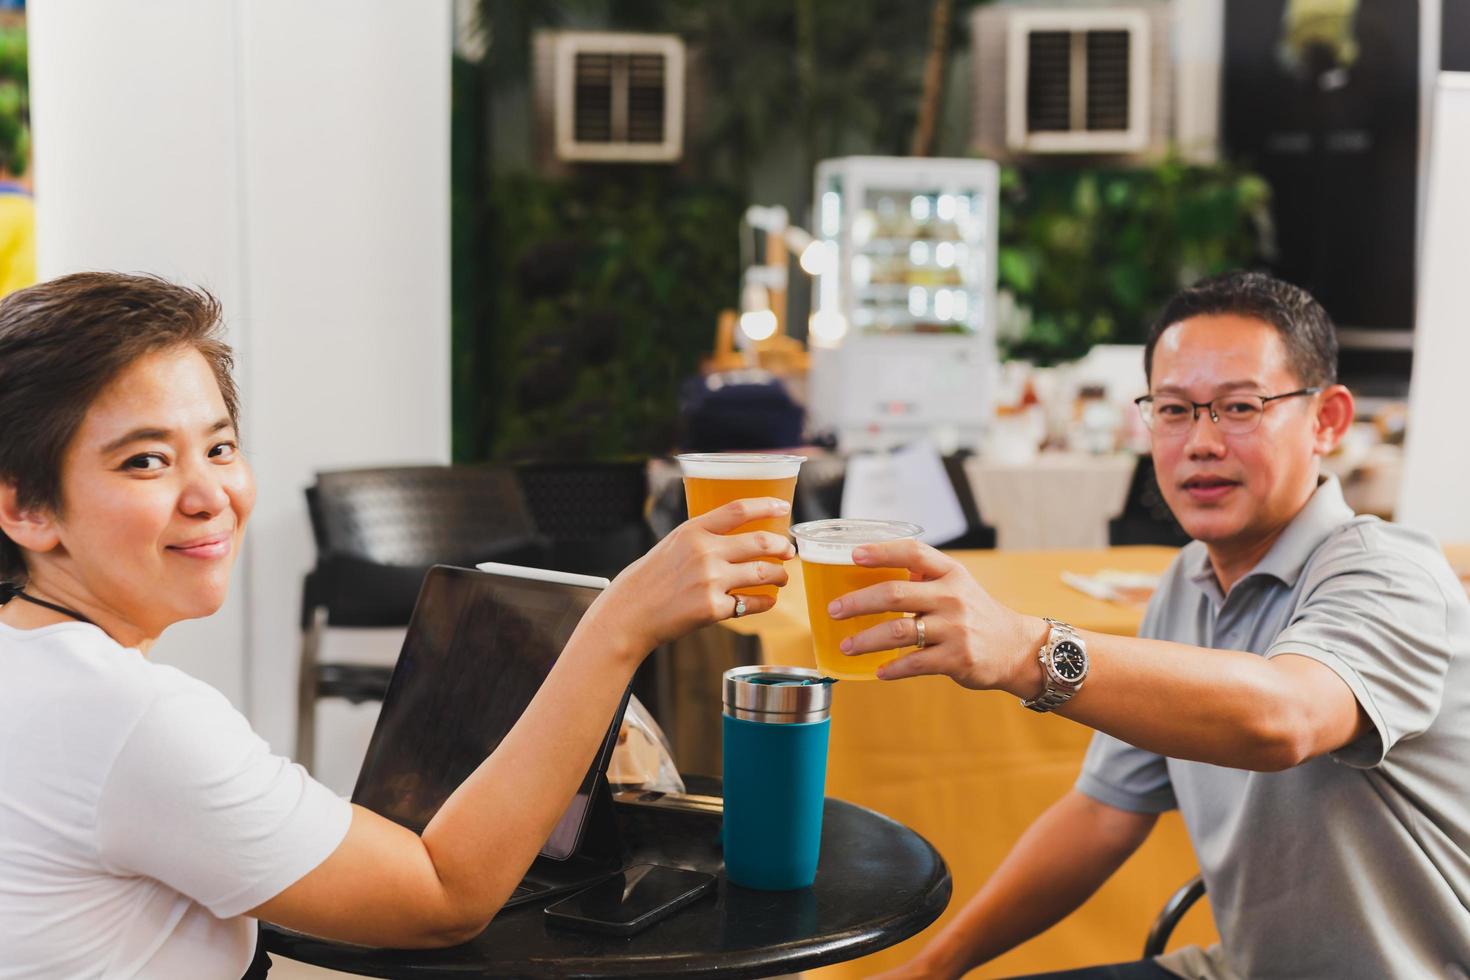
x=155 y=498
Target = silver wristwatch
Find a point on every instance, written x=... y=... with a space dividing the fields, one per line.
x=1064 y=662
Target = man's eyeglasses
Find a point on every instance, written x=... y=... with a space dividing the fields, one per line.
x=1234 y=415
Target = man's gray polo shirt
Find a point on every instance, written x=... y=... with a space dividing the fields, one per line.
x=1354 y=864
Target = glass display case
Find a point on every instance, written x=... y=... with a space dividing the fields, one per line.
x=902 y=339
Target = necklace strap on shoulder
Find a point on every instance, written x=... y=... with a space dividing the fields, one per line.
x=9 y=590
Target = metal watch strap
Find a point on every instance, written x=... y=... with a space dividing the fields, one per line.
x=1054 y=695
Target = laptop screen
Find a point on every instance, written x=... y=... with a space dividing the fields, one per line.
x=479 y=646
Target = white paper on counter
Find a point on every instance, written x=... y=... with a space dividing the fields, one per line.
x=908 y=484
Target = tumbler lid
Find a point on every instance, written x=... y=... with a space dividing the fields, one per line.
x=777 y=695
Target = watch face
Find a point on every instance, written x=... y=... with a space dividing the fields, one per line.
x=1068 y=660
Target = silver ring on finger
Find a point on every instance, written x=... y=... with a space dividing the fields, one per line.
x=739 y=607
x=922 y=641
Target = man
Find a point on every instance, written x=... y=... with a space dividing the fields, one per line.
x=1300 y=689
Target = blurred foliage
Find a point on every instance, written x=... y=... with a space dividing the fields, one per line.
x=825 y=78
x=1089 y=257
x=471 y=292
x=605 y=293
x=15 y=109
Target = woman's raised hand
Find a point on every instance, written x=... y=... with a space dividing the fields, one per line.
x=685 y=581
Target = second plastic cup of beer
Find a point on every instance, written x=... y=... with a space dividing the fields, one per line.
x=714 y=479
x=827 y=567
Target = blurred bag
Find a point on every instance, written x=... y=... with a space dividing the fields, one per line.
x=733 y=410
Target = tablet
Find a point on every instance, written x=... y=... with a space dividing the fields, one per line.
x=479 y=646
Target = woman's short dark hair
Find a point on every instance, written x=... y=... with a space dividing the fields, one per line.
x=61 y=343
x=1306 y=329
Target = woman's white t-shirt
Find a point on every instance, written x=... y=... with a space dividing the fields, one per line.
x=140 y=816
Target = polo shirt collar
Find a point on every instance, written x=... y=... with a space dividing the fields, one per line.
x=1325 y=510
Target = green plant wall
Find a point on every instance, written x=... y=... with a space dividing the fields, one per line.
x=1089 y=256
x=606 y=293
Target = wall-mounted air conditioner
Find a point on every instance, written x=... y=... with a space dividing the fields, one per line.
x=1077 y=81
x=616 y=98
x=1072 y=79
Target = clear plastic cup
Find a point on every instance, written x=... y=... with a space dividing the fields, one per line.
x=712 y=480
x=827 y=567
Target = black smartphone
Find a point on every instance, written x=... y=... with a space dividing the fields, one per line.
x=631 y=900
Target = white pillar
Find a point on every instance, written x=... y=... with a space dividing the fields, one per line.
x=294 y=158
x=1199 y=42
x=1437 y=455
x=138 y=169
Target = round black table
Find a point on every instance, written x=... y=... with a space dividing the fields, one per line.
x=877 y=884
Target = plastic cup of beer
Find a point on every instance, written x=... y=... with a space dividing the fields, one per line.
x=827 y=567
x=714 y=479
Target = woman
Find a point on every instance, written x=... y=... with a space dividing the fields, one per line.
x=143 y=826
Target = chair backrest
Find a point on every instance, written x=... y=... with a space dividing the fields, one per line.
x=593 y=514
x=977 y=534
x=670 y=508
x=819 y=489
x=418 y=515
x=1163 y=926
x=1146 y=518
x=584 y=500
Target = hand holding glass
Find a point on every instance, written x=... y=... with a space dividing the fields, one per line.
x=714 y=479
x=827 y=567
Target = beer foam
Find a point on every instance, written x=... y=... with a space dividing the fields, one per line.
x=739 y=466
x=831 y=542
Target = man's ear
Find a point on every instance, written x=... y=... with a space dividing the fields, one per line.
x=1334 y=415
x=33 y=529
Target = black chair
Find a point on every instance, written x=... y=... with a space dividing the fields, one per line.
x=1174 y=909
x=592 y=514
x=977 y=534
x=1146 y=517
x=378 y=531
x=670 y=508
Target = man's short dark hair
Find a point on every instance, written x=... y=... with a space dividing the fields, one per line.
x=1306 y=329
x=61 y=343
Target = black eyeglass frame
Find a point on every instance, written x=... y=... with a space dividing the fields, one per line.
x=1144 y=403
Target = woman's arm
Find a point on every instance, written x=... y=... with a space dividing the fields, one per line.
x=386 y=886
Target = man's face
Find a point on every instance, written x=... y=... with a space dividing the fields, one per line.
x=1233 y=489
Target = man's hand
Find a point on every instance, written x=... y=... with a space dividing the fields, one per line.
x=969 y=637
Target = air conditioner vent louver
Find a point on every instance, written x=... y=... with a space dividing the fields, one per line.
x=1049 y=82
x=646 y=98
x=592 y=107
x=1107 y=80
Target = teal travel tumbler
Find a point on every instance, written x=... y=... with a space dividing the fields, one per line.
x=775 y=727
